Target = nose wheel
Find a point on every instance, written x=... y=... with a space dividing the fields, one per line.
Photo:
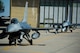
x=10 y=42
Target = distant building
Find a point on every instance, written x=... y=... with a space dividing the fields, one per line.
x=43 y=12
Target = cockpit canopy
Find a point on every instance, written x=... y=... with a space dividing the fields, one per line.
x=14 y=20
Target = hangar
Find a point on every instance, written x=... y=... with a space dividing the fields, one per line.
x=43 y=12
x=56 y=11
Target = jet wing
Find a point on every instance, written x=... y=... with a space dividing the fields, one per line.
x=76 y=24
x=52 y=23
x=35 y=29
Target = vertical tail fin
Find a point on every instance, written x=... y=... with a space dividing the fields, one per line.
x=25 y=13
x=68 y=20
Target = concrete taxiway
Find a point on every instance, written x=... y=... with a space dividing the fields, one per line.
x=47 y=43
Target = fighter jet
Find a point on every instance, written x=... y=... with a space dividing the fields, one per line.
x=65 y=26
x=19 y=30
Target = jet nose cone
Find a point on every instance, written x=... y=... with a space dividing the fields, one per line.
x=13 y=28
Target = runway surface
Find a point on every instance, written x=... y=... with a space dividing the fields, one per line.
x=47 y=43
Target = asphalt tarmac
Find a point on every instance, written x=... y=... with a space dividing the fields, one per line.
x=47 y=43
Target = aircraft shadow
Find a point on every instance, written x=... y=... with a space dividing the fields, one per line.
x=51 y=32
x=32 y=45
x=6 y=44
x=60 y=32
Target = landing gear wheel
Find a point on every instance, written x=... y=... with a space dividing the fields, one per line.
x=66 y=30
x=71 y=30
x=10 y=42
x=31 y=42
x=15 y=43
